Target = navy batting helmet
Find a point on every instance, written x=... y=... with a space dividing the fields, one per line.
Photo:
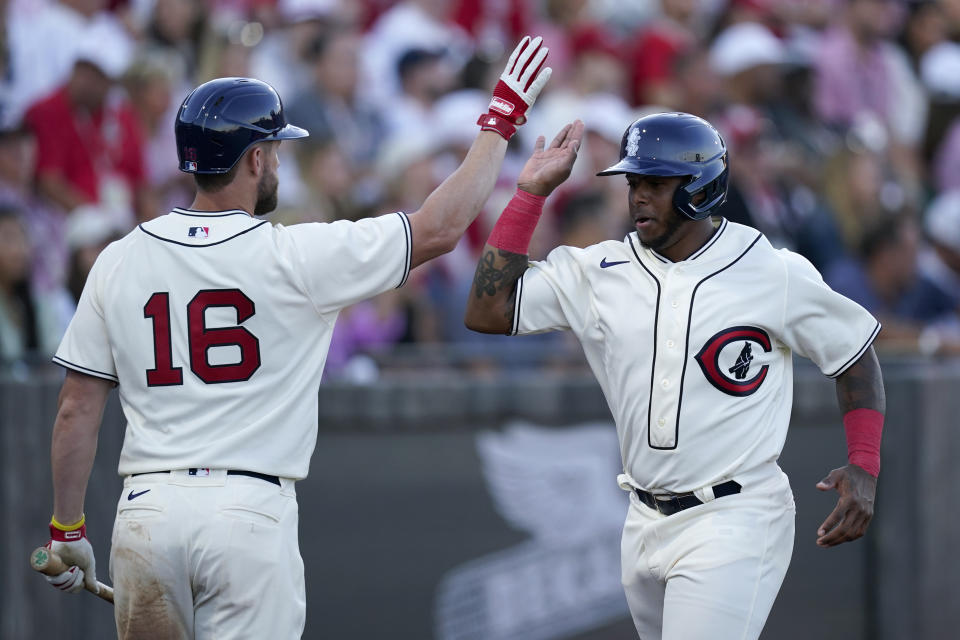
x=678 y=144
x=223 y=118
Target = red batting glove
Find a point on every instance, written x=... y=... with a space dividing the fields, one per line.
x=518 y=88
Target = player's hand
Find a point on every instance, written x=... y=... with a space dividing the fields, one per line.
x=518 y=88
x=548 y=168
x=854 y=510
x=71 y=544
x=70 y=580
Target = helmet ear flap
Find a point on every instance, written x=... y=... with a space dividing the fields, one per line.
x=714 y=191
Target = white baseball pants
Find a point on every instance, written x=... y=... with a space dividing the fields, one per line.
x=710 y=572
x=207 y=557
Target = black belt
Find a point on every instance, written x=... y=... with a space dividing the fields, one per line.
x=671 y=505
x=230 y=472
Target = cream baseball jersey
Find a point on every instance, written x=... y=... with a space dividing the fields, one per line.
x=217 y=325
x=695 y=357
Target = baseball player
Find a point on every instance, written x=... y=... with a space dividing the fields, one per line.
x=690 y=325
x=215 y=326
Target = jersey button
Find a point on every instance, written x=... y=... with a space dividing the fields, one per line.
x=674 y=304
x=661 y=422
x=670 y=343
x=664 y=383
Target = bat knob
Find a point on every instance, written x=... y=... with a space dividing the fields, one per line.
x=39 y=558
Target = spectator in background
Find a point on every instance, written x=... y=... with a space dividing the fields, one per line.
x=946 y=177
x=363 y=329
x=149 y=83
x=557 y=20
x=410 y=24
x=887 y=282
x=698 y=86
x=327 y=184
x=281 y=59
x=177 y=27
x=43 y=38
x=424 y=77
x=89 y=231
x=770 y=183
x=924 y=28
x=653 y=58
x=940 y=68
x=89 y=143
x=597 y=69
x=330 y=105
x=860 y=186
x=28 y=326
x=227 y=51
x=941 y=262
x=863 y=75
x=581 y=219
x=45 y=224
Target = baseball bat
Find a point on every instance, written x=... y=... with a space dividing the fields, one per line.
x=50 y=564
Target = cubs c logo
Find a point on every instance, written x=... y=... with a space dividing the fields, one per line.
x=731 y=377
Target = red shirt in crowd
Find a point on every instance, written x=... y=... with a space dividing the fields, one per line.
x=83 y=147
x=653 y=57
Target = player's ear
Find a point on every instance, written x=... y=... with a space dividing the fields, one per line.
x=257 y=160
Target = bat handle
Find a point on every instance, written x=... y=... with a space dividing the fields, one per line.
x=50 y=564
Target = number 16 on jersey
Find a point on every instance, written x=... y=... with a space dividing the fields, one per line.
x=201 y=338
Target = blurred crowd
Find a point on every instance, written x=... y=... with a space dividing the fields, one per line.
x=842 y=118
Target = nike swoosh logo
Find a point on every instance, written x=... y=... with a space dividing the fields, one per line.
x=604 y=264
x=133 y=495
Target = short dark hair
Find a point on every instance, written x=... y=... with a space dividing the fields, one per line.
x=212 y=182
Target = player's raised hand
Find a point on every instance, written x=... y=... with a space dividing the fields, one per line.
x=518 y=88
x=548 y=167
x=850 y=518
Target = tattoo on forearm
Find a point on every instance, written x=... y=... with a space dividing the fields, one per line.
x=492 y=277
x=861 y=386
x=498 y=273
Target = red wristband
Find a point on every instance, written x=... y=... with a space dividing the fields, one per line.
x=498 y=124
x=67 y=536
x=864 y=428
x=516 y=225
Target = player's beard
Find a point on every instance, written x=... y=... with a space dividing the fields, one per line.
x=266 y=194
x=668 y=237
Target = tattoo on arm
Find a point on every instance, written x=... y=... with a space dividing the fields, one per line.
x=861 y=386
x=498 y=273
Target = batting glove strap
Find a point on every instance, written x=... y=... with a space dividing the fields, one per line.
x=493 y=122
x=67 y=535
x=70 y=580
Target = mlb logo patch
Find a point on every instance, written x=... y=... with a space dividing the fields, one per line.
x=189 y=166
x=199 y=232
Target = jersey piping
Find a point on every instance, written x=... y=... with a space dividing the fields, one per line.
x=211 y=244
x=656 y=322
x=516 y=307
x=66 y=364
x=194 y=213
x=849 y=363
x=408 y=237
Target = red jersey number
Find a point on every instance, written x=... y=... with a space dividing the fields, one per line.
x=202 y=339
